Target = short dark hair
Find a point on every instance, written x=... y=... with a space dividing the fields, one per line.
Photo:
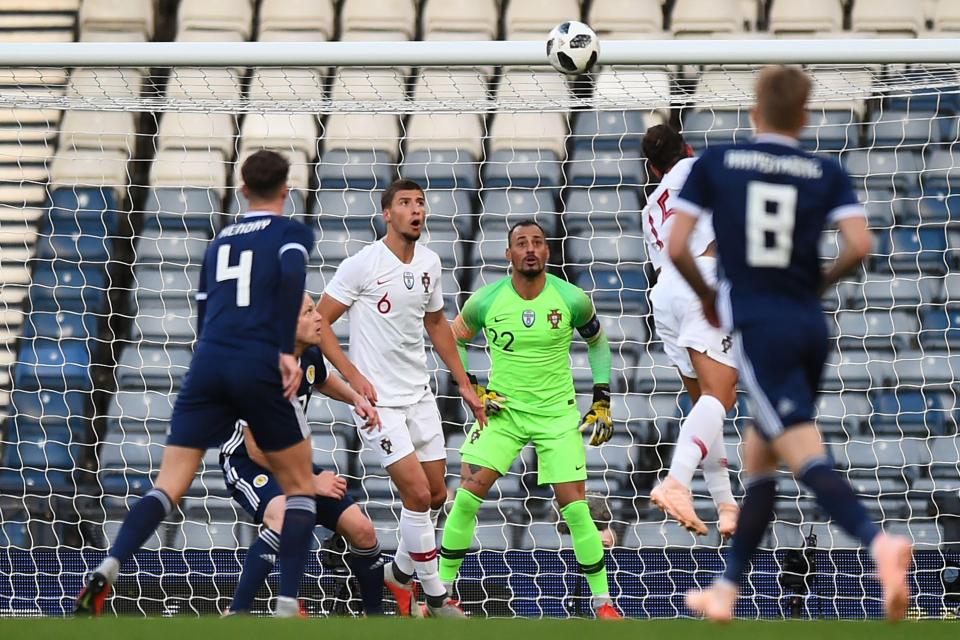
x=264 y=173
x=403 y=184
x=526 y=222
x=663 y=146
x=782 y=94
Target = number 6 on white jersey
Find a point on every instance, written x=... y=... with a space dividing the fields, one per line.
x=771 y=214
x=239 y=272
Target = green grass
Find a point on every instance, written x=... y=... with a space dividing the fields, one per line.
x=212 y=628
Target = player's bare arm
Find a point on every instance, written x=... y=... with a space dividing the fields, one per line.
x=438 y=328
x=336 y=388
x=685 y=262
x=331 y=310
x=857 y=244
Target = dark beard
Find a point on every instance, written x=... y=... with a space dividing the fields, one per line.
x=530 y=273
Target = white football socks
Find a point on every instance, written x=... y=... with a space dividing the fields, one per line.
x=402 y=557
x=419 y=538
x=698 y=433
x=715 y=471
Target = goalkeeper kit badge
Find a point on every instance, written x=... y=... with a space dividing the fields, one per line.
x=529 y=317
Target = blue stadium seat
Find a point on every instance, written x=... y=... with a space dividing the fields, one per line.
x=908 y=412
x=610 y=129
x=531 y=168
x=929 y=207
x=41 y=406
x=882 y=291
x=90 y=206
x=588 y=208
x=705 y=128
x=190 y=211
x=927 y=369
x=355 y=169
x=624 y=289
x=940 y=172
x=831 y=131
x=74 y=247
x=912 y=250
x=876 y=330
x=617 y=167
x=60 y=324
x=940 y=328
x=61 y=285
x=441 y=168
x=883 y=168
x=47 y=448
x=55 y=365
x=897 y=129
x=512 y=205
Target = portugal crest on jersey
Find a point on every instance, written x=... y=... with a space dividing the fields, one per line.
x=529 y=317
x=554 y=318
x=311 y=374
x=408 y=279
x=425 y=281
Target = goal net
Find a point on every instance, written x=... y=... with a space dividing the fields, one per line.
x=114 y=179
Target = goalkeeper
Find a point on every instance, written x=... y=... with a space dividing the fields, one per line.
x=528 y=319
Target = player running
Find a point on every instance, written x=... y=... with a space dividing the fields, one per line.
x=770 y=202
x=243 y=367
x=528 y=319
x=699 y=350
x=391 y=289
x=253 y=485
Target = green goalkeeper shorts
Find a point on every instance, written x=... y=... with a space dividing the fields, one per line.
x=561 y=456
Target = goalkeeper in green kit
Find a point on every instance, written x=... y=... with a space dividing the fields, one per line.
x=529 y=319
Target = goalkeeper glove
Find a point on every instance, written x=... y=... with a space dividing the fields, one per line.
x=492 y=401
x=599 y=416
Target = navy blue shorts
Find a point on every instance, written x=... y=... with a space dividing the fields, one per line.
x=253 y=487
x=780 y=367
x=219 y=390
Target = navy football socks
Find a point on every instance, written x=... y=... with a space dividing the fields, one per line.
x=836 y=497
x=261 y=556
x=299 y=519
x=756 y=511
x=367 y=566
x=143 y=520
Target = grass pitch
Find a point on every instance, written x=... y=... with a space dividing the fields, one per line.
x=211 y=628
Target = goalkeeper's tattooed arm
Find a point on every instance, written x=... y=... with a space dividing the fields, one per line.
x=446 y=347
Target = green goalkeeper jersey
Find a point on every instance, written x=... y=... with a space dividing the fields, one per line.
x=529 y=341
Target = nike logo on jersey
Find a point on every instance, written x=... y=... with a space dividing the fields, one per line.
x=580 y=467
x=379 y=282
x=500 y=318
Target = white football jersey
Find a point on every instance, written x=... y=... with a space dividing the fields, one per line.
x=387 y=301
x=658 y=218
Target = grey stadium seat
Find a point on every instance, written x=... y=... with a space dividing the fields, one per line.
x=171 y=250
x=164 y=328
x=151 y=367
x=136 y=411
x=512 y=205
x=876 y=329
x=607 y=207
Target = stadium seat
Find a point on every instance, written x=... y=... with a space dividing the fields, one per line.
x=100 y=83
x=233 y=16
x=171 y=285
x=888 y=18
x=311 y=20
x=479 y=17
x=940 y=172
x=89 y=169
x=704 y=128
x=354 y=169
x=951 y=290
x=523 y=19
x=830 y=81
x=589 y=208
x=171 y=249
x=292 y=133
x=511 y=205
x=940 y=328
x=898 y=459
x=908 y=412
x=612 y=130
x=616 y=289
x=394 y=16
x=897 y=129
x=546 y=131
x=54 y=365
x=842 y=413
x=876 y=330
x=528 y=168
x=47 y=407
x=365 y=131
x=188 y=170
x=831 y=130
x=204 y=83
x=626 y=19
x=133 y=412
x=930 y=370
x=69 y=286
x=889 y=169
x=199 y=132
x=604 y=251
x=126 y=20
x=788 y=17
x=441 y=169
x=172 y=329
x=348 y=203
x=61 y=244
x=189 y=211
x=696 y=18
x=882 y=291
x=643 y=85
x=613 y=168
x=855 y=370
x=145 y=367
x=944 y=457
x=931 y=206
x=912 y=250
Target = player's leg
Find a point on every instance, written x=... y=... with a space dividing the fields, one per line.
x=486 y=454
x=562 y=463
x=364 y=557
x=760 y=464
x=718 y=387
x=801 y=449
x=177 y=470
x=402 y=568
x=262 y=554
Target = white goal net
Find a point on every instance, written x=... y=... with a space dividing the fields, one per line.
x=112 y=180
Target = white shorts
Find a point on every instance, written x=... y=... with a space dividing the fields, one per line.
x=680 y=322
x=415 y=428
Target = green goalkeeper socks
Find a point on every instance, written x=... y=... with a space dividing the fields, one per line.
x=587 y=546
x=458 y=534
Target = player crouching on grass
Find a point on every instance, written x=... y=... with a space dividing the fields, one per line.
x=253 y=486
x=528 y=320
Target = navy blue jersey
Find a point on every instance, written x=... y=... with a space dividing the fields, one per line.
x=246 y=285
x=314 y=375
x=770 y=202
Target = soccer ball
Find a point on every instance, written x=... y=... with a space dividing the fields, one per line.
x=572 y=48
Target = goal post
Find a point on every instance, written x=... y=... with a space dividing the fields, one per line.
x=118 y=162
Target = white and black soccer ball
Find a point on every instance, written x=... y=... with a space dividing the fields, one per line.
x=572 y=48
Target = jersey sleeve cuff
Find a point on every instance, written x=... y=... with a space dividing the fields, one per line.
x=688 y=207
x=296 y=246
x=847 y=211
